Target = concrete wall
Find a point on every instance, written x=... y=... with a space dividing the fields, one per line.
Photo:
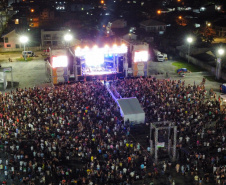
x=202 y=64
x=193 y=50
x=20 y=49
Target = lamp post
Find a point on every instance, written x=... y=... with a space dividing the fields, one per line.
x=24 y=40
x=218 y=65
x=68 y=38
x=189 y=40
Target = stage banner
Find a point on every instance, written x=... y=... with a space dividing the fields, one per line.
x=59 y=75
x=138 y=69
x=161 y=145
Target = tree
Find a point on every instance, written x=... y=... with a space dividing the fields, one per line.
x=206 y=33
x=181 y=21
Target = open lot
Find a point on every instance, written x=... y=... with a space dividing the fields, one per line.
x=159 y=69
x=25 y=73
x=32 y=73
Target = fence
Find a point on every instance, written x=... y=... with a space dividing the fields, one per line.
x=202 y=64
x=37 y=48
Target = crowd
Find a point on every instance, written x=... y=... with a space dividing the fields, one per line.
x=70 y=134
x=200 y=124
x=73 y=134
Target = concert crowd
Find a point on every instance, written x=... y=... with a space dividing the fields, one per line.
x=74 y=134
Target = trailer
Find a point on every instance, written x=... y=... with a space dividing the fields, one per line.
x=161 y=57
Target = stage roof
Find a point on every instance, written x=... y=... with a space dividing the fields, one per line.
x=99 y=43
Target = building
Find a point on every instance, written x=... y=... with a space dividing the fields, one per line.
x=55 y=38
x=130 y=36
x=52 y=38
x=153 y=26
x=119 y=23
x=11 y=40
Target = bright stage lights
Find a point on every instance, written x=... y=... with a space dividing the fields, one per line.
x=95 y=56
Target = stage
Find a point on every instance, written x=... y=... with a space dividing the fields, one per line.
x=101 y=63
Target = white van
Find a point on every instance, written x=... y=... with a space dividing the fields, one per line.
x=28 y=53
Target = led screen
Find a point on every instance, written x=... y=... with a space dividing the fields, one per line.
x=140 y=56
x=60 y=61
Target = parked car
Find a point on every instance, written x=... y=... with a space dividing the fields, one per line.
x=27 y=53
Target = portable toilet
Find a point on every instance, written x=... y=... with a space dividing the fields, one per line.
x=224 y=88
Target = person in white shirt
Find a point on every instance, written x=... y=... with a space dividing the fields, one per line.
x=132 y=174
x=223 y=139
x=6 y=174
x=164 y=166
x=124 y=170
x=39 y=168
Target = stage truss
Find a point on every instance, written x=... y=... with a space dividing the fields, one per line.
x=163 y=125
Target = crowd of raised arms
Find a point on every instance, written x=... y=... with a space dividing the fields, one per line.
x=74 y=134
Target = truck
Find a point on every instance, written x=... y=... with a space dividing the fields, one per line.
x=161 y=57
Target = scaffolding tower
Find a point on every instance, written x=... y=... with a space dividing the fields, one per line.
x=156 y=127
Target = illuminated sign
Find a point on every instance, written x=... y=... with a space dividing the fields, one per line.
x=140 y=56
x=59 y=61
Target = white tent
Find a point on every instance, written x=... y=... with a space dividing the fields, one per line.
x=131 y=110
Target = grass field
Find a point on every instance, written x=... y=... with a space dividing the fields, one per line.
x=190 y=67
x=22 y=59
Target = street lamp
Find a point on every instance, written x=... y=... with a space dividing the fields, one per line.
x=67 y=38
x=218 y=65
x=189 y=40
x=24 y=40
